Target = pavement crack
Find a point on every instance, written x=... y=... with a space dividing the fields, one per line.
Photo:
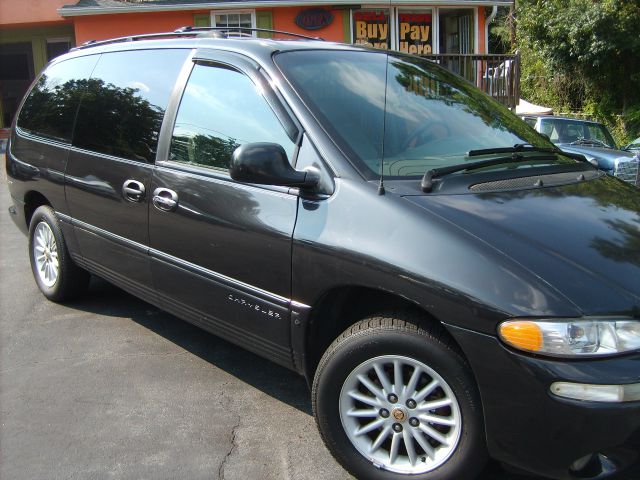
x=233 y=447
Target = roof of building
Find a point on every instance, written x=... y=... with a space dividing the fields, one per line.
x=96 y=7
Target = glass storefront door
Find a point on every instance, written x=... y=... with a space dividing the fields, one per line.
x=456 y=30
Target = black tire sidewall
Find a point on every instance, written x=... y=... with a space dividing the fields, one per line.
x=469 y=456
x=59 y=290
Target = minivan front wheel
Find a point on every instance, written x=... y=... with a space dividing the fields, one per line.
x=393 y=400
x=57 y=276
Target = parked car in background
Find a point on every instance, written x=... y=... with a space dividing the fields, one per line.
x=633 y=146
x=593 y=140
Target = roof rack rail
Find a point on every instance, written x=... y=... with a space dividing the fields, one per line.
x=188 y=31
x=234 y=31
x=130 y=38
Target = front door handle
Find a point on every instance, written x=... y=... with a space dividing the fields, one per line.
x=165 y=199
x=133 y=190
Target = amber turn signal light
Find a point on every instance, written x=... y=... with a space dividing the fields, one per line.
x=522 y=335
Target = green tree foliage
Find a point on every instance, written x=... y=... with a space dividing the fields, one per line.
x=582 y=55
x=499 y=32
x=117 y=121
x=199 y=149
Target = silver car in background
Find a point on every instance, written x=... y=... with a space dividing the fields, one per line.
x=591 y=139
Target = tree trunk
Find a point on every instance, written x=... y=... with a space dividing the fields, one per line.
x=512 y=26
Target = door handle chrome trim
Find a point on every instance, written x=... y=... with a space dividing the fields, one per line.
x=165 y=199
x=133 y=190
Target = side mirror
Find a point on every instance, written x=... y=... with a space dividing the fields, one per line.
x=267 y=164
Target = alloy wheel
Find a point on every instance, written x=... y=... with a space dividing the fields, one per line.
x=400 y=414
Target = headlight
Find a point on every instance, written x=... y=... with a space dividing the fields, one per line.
x=572 y=337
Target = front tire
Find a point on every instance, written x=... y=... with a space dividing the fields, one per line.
x=55 y=273
x=393 y=400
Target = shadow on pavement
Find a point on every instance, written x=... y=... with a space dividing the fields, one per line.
x=274 y=380
x=270 y=378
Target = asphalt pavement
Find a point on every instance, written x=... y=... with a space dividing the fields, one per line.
x=111 y=387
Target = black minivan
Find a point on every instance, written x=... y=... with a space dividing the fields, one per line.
x=452 y=285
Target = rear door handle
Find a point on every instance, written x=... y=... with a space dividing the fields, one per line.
x=133 y=190
x=165 y=199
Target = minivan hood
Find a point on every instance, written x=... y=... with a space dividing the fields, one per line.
x=582 y=239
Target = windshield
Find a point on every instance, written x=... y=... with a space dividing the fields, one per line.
x=570 y=131
x=433 y=117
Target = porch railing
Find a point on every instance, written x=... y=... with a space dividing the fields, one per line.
x=496 y=75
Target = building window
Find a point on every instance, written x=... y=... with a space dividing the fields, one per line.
x=234 y=20
x=372 y=28
x=57 y=47
x=415 y=31
x=420 y=31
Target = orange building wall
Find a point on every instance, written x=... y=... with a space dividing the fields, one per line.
x=102 y=27
x=284 y=19
x=18 y=12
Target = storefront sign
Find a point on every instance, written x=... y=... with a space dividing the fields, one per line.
x=414 y=33
x=371 y=28
x=314 y=19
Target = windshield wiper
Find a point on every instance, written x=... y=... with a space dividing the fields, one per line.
x=431 y=175
x=590 y=141
x=518 y=147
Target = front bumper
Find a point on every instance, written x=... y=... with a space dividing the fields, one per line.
x=531 y=429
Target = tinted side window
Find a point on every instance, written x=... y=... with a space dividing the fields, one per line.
x=127 y=95
x=220 y=110
x=52 y=104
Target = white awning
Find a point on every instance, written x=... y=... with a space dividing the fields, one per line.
x=527 y=108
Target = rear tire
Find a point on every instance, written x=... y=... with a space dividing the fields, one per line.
x=394 y=428
x=55 y=273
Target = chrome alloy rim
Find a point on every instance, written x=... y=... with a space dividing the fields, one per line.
x=45 y=253
x=400 y=414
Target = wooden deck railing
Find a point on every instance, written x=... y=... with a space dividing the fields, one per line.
x=496 y=75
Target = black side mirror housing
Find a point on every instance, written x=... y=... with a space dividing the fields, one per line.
x=267 y=164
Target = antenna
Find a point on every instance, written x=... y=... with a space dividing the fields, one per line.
x=381 y=190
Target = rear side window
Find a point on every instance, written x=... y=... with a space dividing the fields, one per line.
x=51 y=106
x=123 y=106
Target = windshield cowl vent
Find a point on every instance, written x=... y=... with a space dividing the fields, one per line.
x=536 y=181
